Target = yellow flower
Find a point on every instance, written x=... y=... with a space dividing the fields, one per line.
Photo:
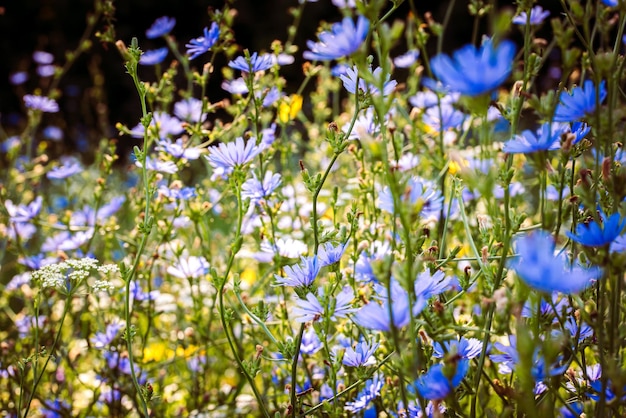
x=289 y=109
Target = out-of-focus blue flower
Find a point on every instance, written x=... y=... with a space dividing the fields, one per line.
x=154 y=56
x=435 y=385
x=343 y=39
x=190 y=110
x=102 y=339
x=256 y=190
x=42 y=103
x=225 y=157
x=582 y=330
x=546 y=309
x=53 y=133
x=370 y=392
x=23 y=213
x=185 y=193
x=162 y=125
x=178 y=149
x=43 y=57
x=154 y=164
x=352 y=74
x=360 y=355
x=416 y=193
x=509 y=357
x=580 y=102
x=364 y=127
x=579 y=130
x=257 y=63
x=309 y=309
x=611 y=3
x=270 y=97
x=46 y=70
x=576 y=406
x=537 y=16
x=343 y=304
x=543 y=271
x=19 y=77
x=443 y=118
x=330 y=254
x=376 y=316
x=548 y=138
x=594 y=235
x=618 y=245
x=69 y=167
x=300 y=275
x=189 y=267
x=161 y=27
x=472 y=71
x=311 y=343
x=465 y=348
x=515 y=189
x=407 y=59
x=199 y=46
x=342 y=4
x=363 y=270
x=236 y=86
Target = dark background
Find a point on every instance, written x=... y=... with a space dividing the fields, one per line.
x=56 y=26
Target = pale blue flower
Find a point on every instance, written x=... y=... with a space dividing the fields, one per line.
x=225 y=157
x=407 y=59
x=178 y=149
x=41 y=103
x=443 y=118
x=375 y=315
x=300 y=275
x=352 y=75
x=258 y=191
x=416 y=192
x=370 y=391
x=69 y=167
x=236 y=86
x=330 y=254
x=537 y=16
x=466 y=348
x=548 y=138
x=360 y=355
x=190 y=109
x=308 y=309
x=311 y=343
x=189 y=267
x=343 y=39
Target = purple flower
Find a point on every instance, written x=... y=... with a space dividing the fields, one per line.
x=177 y=149
x=153 y=57
x=154 y=164
x=199 y=46
x=23 y=213
x=161 y=27
x=42 y=103
x=225 y=157
x=257 y=63
x=580 y=102
x=18 y=77
x=46 y=70
x=43 y=58
x=407 y=59
x=162 y=125
x=308 y=309
x=311 y=343
x=537 y=16
x=343 y=40
x=473 y=71
x=102 y=339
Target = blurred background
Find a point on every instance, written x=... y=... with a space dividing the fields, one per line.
x=96 y=92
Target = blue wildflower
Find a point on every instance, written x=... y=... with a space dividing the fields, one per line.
x=43 y=57
x=154 y=164
x=508 y=358
x=102 y=339
x=257 y=63
x=23 y=213
x=610 y=3
x=309 y=309
x=417 y=193
x=191 y=267
x=360 y=355
x=376 y=316
x=161 y=27
x=546 y=309
x=548 y=138
x=41 y=103
x=464 y=348
x=311 y=343
x=370 y=392
x=199 y=46
x=407 y=59
x=537 y=16
x=352 y=75
x=153 y=57
x=190 y=110
x=475 y=71
x=178 y=149
x=592 y=234
x=543 y=271
x=343 y=303
x=343 y=39
x=258 y=191
x=225 y=157
x=236 y=86
x=330 y=254
x=300 y=275
x=163 y=124
x=69 y=167
x=443 y=118
x=580 y=102
x=579 y=130
x=435 y=385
